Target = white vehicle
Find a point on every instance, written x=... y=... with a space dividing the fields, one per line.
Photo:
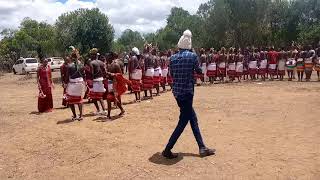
x=55 y=62
x=25 y=66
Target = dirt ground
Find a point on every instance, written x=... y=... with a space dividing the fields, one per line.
x=267 y=130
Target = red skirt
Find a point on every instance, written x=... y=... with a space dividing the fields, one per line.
x=211 y=73
x=231 y=73
x=45 y=104
x=112 y=98
x=222 y=72
x=147 y=83
x=252 y=72
x=95 y=95
x=74 y=99
x=156 y=80
x=239 y=74
x=136 y=85
x=262 y=71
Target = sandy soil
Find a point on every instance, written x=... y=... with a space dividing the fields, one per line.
x=260 y=131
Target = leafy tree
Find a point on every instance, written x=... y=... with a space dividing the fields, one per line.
x=130 y=39
x=85 y=29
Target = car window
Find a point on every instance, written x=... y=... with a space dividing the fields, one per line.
x=57 y=59
x=19 y=62
x=31 y=61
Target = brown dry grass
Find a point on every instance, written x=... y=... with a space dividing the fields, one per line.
x=261 y=131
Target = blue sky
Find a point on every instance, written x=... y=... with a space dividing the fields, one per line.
x=139 y=15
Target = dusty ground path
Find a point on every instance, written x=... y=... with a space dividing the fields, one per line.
x=261 y=131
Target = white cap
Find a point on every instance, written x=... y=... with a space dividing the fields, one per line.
x=136 y=51
x=185 y=40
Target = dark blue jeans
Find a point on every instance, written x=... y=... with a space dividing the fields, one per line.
x=186 y=113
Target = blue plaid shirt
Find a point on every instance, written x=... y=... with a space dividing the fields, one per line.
x=182 y=67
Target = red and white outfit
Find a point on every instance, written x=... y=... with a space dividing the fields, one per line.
x=273 y=55
x=147 y=80
x=232 y=70
x=212 y=69
x=239 y=69
x=136 y=77
x=263 y=67
x=222 y=69
x=157 y=76
x=98 y=89
x=74 y=91
x=253 y=68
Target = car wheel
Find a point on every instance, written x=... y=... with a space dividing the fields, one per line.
x=14 y=71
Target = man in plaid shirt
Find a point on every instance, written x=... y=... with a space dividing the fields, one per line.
x=182 y=66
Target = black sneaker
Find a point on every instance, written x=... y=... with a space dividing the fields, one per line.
x=169 y=154
x=206 y=152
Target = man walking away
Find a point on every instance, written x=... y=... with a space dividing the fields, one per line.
x=182 y=66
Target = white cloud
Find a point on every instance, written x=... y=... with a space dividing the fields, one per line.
x=140 y=15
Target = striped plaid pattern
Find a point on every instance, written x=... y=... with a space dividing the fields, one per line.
x=182 y=67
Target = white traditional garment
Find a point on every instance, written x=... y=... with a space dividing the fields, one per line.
x=272 y=66
x=136 y=74
x=232 y=66
x=75 y=87
x=165 y=72
x=281 y=65
x=212 y=67
x=263 y=64
x=239 y=67
x=157 y=72
x=253 y=64
x=98 y=85
x=150 y=72
x=222 y=65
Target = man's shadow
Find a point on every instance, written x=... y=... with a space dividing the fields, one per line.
x=157 y=158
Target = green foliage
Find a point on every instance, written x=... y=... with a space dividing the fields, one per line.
x=130 y=39
x=84 y=29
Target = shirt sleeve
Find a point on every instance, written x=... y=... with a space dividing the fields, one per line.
x=196 y=65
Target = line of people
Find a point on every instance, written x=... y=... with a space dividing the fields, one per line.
x=254 y=63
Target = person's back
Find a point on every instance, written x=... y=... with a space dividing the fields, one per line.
x=97 y=68
x=75 y=70
x=182 y=66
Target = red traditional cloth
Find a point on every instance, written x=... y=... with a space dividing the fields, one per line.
x=136 y=85
x=239 y=74
x=95 y=95
x=222 y=72
x=45 y=104
x=211 y=73
x=120 y=87
x=231 y=73
x=262 y=71
x=74 y=99
x=147 y=83
x=253 y=71
x=156 y=80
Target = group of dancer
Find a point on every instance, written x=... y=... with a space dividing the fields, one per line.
x=101 y=78
x=98 y=78
x=255 y=63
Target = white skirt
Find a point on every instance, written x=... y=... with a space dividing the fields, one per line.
x=98 y=86
x=212 y=67
x=232 y=66
x=272 y=66
x=222 y=65
x=150 y=72
x=136 y=74
x=110 y=86
x=253 y=64
x=239 y=67
x=165 y=72
x=263 y=64
x=157 y=72
x=75 y=87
